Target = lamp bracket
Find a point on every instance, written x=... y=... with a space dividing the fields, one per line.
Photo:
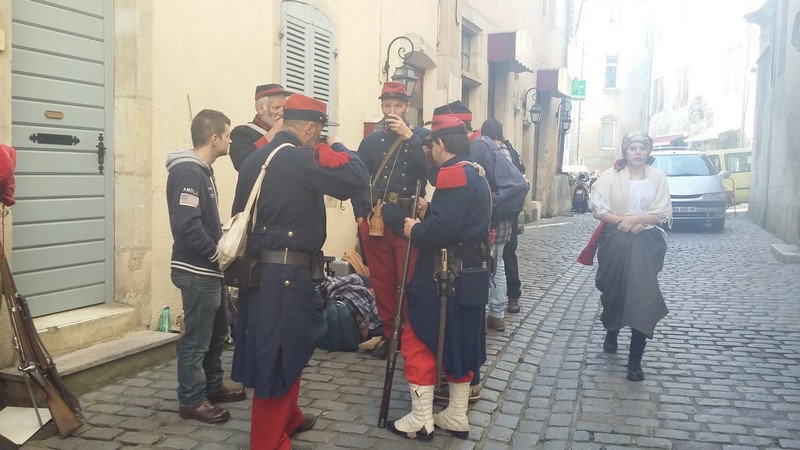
x=402 y=53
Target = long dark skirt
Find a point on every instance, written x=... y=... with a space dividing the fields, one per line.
x=627 y=277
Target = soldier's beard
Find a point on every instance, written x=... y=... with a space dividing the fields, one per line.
x=270 y=120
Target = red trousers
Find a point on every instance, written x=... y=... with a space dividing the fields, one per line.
x=385 y=257
x=274 y=419
x=420 y=362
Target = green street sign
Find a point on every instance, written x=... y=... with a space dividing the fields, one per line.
x=578 y=89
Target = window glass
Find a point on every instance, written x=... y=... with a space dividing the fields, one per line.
x=683 y=165
x=607 y=135
x=715 y=160
x=738 y=162
x=466 y=49
x=415 y=114
x=611 y=71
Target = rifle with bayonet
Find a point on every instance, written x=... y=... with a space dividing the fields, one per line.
x=391 y=359
x=34 y=360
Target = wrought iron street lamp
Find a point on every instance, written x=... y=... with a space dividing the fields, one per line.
x=405 y=72
x=564 y=122
x=536 y=109
x=564 y=116
x=535 y=112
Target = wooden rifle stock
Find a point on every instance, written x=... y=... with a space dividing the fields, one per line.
x=34 y=360
x=391 y=359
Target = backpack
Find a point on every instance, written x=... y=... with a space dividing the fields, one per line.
x=344 y=332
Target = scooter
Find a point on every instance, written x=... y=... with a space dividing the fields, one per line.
x=580 y=197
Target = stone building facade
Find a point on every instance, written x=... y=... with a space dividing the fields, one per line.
x=136 y=71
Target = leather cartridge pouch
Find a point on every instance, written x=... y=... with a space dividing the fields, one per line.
x=243 y=273
x=317 y=267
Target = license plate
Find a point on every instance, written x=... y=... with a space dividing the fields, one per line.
x=684 y=209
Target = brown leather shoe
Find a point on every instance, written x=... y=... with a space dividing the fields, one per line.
x=228 y=394
x=496 y=323
x=204 y=412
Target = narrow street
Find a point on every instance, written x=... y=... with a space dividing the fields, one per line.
x=722 y=372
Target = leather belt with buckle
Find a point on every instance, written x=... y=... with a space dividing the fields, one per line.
x=286 y=257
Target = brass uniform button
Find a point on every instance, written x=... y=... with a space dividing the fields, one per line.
x=290 y=234
x=287 y=283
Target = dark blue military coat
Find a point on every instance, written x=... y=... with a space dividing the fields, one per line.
x=458 y=213
x=280 y=322
x=400 y=174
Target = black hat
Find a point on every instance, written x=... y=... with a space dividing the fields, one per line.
x=455 y=109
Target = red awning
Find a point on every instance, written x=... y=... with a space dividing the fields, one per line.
x=556 y=82
x=516 y=47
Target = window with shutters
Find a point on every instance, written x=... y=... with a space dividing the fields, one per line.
x=307 y=52
x=607 y=133
x=612 y=62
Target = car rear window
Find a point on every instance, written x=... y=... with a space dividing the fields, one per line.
x=738 y=162
x=677 y=165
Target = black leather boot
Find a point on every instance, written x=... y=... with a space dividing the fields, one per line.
x=638 y=342
x=610 y=344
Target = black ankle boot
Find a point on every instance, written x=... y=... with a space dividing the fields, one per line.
x=610 y=344
x=638 y=343
x=635 y=372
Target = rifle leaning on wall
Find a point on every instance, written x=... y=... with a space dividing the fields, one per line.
x=34 y=360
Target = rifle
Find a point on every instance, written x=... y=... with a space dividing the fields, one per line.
x=34 y=360
x=391 y=359
x=445 y=284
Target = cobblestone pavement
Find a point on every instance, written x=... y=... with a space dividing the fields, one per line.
x=722 y=372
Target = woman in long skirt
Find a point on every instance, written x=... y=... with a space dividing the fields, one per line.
x=631 y=199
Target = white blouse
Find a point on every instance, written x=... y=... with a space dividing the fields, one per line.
x=642 y=195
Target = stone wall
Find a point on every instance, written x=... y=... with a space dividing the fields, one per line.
x=775 y=184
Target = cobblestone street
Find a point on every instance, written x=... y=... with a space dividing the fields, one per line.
x=722 y=372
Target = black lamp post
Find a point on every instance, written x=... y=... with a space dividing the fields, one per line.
x=564 y=123
x=405 y=73
x=535 y=112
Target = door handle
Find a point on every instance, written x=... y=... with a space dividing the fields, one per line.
x=101 y=153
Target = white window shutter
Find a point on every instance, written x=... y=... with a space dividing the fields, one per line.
x=293 y=54
x=307 y=52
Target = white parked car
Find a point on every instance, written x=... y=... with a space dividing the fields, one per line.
x=694 y=185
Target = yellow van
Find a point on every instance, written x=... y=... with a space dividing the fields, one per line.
x=737 y=161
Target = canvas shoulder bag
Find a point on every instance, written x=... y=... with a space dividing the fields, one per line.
x=233 y=242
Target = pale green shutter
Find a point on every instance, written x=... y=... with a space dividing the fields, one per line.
x=307 y=52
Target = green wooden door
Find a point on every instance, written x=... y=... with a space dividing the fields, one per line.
x=62 y=103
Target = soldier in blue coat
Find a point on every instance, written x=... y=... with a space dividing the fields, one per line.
x=393 y=154
x=280 y=321
x=457 y=219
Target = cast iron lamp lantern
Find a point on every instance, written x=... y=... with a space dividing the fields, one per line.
x=565 y=119
x=536 y=109
x=404 y=73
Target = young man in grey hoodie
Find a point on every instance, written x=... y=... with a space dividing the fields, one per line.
x=196 y=229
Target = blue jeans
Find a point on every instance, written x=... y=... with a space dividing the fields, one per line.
x=497 y=286
x=205 y=317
